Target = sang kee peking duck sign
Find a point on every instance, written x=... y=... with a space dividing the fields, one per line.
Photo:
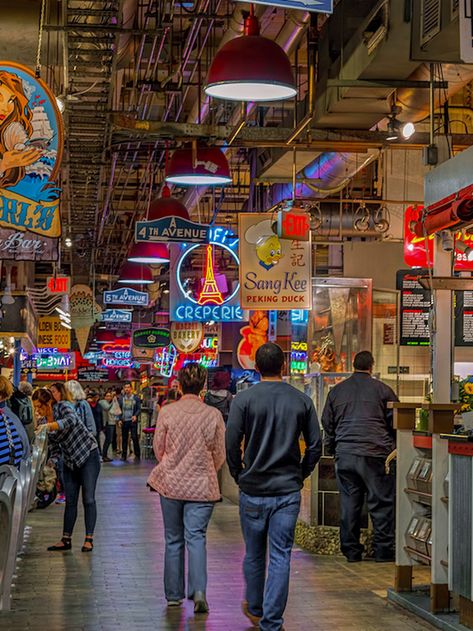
x=31 y=145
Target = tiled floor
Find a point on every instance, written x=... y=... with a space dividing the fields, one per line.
x=119 y=586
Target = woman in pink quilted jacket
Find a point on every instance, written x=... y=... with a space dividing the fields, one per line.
x=189 y=444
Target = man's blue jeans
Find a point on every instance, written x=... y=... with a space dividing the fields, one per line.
x=268 y=519
x=185 y=523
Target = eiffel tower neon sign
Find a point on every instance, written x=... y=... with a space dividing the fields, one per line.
x=210 y=293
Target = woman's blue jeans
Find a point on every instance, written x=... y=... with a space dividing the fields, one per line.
x=86 y=478
x=185 y=525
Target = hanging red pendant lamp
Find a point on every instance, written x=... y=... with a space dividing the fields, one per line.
x=251 y=68
x=150 y=253
x=134 y=274
x=167 y=206
x=199 y=166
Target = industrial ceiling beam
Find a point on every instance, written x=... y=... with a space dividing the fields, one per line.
x=323 y=140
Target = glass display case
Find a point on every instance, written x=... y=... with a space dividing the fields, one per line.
x=319 y=502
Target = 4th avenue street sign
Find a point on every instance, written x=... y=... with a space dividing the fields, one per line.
x=171 y=229
x=317 y=6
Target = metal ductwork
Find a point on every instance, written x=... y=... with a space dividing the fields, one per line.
x=327 y=175
x=415 y=103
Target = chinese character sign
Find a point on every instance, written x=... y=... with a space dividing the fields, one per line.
x=274 y=273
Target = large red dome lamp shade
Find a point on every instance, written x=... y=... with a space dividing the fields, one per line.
x=134 y=274
x=207 y=167
x=151 y=253
x=251 y=68
x=166 y=206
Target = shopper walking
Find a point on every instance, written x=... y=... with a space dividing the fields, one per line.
x=130 y=405
x=78 y=449
x=219 y=396
x=189 y=447
x=359 y=432
x=81 y=406
x=269 y=419
x=110 y=423
x=20 y=404
x=93 y=399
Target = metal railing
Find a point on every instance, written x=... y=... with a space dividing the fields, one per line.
x=17 y=492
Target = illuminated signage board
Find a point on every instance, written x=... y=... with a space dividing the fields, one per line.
x=116 y=315
x=58 y=285
x=298 y=357
x=165 y=360
x=117 y=358
x=293 y=224
x=299 y=317
x=56 y=361
x=216 y=296
x=171 y=229
x=126 y=296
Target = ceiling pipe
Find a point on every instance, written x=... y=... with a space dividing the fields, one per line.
x=335 y=170
x=415 y=102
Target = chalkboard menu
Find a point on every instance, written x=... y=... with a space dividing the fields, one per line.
x=464 y=318
x=415 y=308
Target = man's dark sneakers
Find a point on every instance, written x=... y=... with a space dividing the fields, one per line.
x=200 y=603
x=251 y=617
x=356 y=559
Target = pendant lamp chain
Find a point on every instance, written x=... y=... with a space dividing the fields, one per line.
x=40 y=38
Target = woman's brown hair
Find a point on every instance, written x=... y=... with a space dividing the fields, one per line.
x=6 y=389
x=22 y=114
x=43 y=395
x=192 y=378
x=63 y=391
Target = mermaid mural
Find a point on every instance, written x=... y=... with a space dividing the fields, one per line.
x=15 y=131
x=31 y=137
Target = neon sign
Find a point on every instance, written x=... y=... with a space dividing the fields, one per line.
x=212 y=302
x=298 y=357
x=58 y=285
x=299 y=316
x=165 y=359
x=210 y=293
x=56 y=361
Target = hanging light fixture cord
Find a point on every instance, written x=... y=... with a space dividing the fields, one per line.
x=40 y=39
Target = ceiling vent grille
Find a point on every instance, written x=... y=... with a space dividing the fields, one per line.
x=455 y=8
x=430 y=20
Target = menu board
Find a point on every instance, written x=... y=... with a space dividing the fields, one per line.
x=464 y=318
x=415 y=308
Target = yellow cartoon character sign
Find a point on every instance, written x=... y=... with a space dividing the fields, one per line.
x=267 y=245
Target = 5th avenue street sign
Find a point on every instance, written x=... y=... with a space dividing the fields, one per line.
x=126 y=296
x=316 y=6
x=116 y=315
x=171 y=229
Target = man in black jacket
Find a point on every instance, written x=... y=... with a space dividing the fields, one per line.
x=359 y=431
x=130 y=405
x=270 y=418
